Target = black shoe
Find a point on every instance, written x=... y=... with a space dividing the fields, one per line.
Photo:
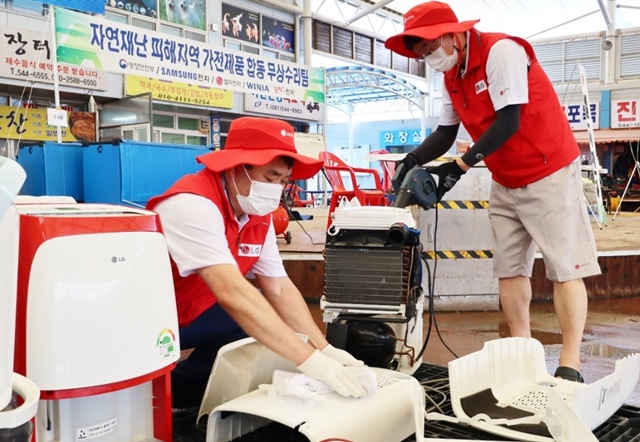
x=569 y=374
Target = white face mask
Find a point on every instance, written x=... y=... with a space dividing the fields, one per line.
x=440 y=61
x=263 y=198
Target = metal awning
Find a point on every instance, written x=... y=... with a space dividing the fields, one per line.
x=606 y=136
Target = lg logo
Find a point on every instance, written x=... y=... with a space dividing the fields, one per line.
x=117 y=259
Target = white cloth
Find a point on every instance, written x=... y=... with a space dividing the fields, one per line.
x=285 y=383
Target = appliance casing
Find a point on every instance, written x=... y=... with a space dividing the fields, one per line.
x=97 y=326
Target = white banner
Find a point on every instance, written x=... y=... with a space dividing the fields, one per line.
x=624 y=113
x=87 y=40
x=27 y=56
x=577 y=117
x=284 y=107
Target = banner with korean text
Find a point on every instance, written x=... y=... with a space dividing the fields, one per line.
x=31 y=124
x=103 y=44
x=625 y=113
x=28 y=56
x=178 y=92
x=284 y=107
x=577 y=117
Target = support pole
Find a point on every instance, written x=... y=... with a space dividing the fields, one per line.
x=56 y=77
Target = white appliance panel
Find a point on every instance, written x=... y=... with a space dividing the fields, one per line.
x=100 y=309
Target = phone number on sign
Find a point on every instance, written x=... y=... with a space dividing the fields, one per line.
x=281 y=108
x=48 y=76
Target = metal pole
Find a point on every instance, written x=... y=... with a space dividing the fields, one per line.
x=56 y=83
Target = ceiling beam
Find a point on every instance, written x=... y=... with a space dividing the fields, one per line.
x=605 y=13
x=366 y=11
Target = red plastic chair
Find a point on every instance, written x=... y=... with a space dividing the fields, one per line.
x=388 y=169
x=334 y=168
x=294 y=199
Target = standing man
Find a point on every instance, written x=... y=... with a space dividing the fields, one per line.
x=494 y=85
x=218 y=228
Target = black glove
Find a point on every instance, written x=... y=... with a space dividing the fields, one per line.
x=402 y=167
x=448 y=175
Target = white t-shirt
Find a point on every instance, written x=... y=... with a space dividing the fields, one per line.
x=506 y=75
x=194 y=230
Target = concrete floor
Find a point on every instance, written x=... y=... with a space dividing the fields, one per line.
x=613 y=325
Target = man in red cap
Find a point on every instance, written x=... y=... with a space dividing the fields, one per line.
x=495 y=87
x=218 y=228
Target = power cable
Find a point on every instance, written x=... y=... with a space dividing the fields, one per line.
x=285 y=204
x=431 y=281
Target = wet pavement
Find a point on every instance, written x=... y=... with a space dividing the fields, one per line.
x=612 y=332
x=613 y=325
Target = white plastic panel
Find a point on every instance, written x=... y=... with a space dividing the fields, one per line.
x=101 y=309
x=9 y=228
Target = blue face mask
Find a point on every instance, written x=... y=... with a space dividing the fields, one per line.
x=263 y=198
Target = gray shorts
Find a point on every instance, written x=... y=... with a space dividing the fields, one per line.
x=550 y=213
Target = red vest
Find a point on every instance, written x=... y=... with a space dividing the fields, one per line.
x=193 y=296
x=543 y=144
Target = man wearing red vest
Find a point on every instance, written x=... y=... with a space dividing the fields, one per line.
x=495 y=87
x=218 y=228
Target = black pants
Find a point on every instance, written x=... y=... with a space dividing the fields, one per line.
x=207 y=334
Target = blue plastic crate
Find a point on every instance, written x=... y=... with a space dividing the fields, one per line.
x=131 y=172
x=53 y=169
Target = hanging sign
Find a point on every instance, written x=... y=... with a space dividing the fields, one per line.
x=624 y=113
x=28 y=56
x=85 y=40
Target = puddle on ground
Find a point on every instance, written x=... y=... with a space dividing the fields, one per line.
x=547 y=338
x=603 y=350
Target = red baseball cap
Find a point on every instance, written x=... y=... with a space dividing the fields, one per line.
x=429 y=21
x=258 y=141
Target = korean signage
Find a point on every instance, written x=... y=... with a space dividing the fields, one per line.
x=31 y=124
x=178 y=92
x=190 y=13
x=104 y=44
x=28 y=56
x=240 y=23
x=284 y=107
x=410 y=137
x=577 y=116
x=278 y=35
x=624 y=113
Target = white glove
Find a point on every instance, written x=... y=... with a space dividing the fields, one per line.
x=332 y=373
x=342 y=356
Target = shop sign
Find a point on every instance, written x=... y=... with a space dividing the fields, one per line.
x=31 y=124
x=94 y=41
x=411 y=137
x=177 y=92
x=284 y=107
x=28 y=56
x=624 y=113
x=577 y=117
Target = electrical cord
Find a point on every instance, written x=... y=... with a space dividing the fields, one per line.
x=285 y=203
x=431 y=281
x=429 y=389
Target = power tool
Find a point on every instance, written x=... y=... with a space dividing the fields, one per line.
x=418 y=187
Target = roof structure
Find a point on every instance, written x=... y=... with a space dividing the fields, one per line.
x=351 y=86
